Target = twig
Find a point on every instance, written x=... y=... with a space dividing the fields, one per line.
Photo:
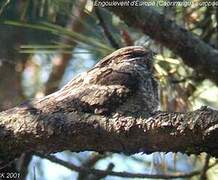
x=89 y=163
x=4 y=6
x=8 y=164
x=205 y=168
x=109 y=168
x=105 y=29
x=23 y=163
x=119 y=174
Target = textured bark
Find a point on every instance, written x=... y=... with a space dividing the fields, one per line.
x=194 y=52
x=25 y=130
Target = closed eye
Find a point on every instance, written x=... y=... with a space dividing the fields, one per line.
x=133 y=59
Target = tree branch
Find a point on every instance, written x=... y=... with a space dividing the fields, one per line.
x=205 y=168
x=105 y=29
x=194 y=52
x=89 y=163
x=119 y=174
x=29 y=127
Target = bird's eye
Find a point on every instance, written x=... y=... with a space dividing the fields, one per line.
x=137 y=54
x=133 y=59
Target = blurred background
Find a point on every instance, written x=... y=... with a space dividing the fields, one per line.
x=45 y=43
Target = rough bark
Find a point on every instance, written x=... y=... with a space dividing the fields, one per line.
x=194 y=52
x=28 y=129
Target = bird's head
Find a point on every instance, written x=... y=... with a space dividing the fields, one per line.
x=130 y=54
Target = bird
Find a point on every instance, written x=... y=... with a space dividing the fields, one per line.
x=122 y=82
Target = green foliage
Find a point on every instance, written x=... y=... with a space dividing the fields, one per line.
x=63 y=32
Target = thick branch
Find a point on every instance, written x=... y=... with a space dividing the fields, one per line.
x=26 y=128
x=194 y=52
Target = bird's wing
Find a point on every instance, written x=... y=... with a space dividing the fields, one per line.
x=101 y=90
x=101 y=99
x=100 y=95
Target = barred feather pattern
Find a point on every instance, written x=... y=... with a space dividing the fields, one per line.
x=122 y=82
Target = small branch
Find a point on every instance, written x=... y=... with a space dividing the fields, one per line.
x=89 y=163
x=119 y=174
x=106 y=31
x=205 y=168
x=23 y=164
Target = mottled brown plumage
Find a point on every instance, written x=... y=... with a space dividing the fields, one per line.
x=122 y=82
